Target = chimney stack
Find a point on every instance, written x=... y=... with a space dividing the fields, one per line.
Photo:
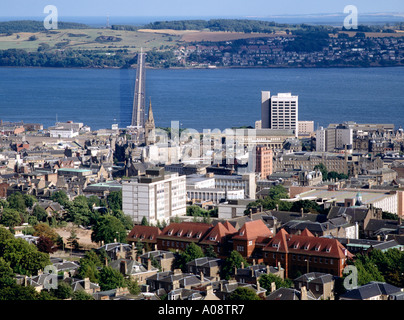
x=273 y=287
x=303 y=292
x=202 y=277
x=149 y=264
x=86 y=283
x=302 y=212
x=123 y=267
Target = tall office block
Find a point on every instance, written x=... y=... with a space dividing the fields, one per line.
x=280 y=111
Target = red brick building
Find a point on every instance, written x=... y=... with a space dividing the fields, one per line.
x=218 y=237
x=180 y=235
x=252 y=237
x=144 y=234
x=306 y=253
x=264 y=161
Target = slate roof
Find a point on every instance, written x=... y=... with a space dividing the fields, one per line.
x=207 y=262
x=357 y=214
x=315 y=277
x=288 y=294
x=370 y=290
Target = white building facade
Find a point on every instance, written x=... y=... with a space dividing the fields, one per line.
x=158 y=198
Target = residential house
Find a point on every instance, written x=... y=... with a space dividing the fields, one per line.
x=252 y=273
x=164 y=259
x=372 y=291
x=321 y=285
x=209 y=267
x=134 y=269
x=290 y=294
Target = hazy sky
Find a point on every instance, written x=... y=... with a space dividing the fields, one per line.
x=258 y=8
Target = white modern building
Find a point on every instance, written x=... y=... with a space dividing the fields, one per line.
x=333 y=138
x=158 y=196
x=280 y=111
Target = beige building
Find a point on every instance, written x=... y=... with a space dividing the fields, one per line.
x=305 y=128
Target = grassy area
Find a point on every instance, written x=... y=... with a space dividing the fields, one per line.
x=85 y=39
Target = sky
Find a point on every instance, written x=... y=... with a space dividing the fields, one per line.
x=189 y=8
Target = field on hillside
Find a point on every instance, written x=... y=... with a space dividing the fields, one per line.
x=87 y=39
x=197 y=36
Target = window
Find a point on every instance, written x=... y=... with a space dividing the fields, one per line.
x=240 y=248
x=250 y=243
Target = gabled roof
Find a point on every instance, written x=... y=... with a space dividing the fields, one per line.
x=370 y=290
x=252 y=230
x=147 y=233
x=219 y=231
x=315 y=277
x=288 y=294
x=190 y=231
x=307 y=244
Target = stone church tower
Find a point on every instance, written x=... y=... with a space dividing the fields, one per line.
x=150 y=127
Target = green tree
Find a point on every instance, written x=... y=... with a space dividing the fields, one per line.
x=210 y=252
x=234 y=260
x=16 y=201
x=133 y=286
x=323 y=170
x=192 y=252
x=144 y=222
x=23 y=257
x=40 y=213
x=82 y=295
x=111 y=279
x=267 y=279
x=29 y=200
x=114 y=200
x=244 y=293
x=107 y=229
x=60 y=197
x=63 y=291
x=89 y=266
x=10 y=218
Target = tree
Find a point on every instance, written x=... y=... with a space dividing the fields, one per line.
x=60 y=197
x=192 y=252
x=133 y=286
x=89 y=266
x=40 y=213
x=108 y=229
x=210 y=252
x=10 y=218
x=23 y=257
x=73 y=240
x=244 y=293
x=111 y=279
x=144 y=222
x=29 y=200
x=46 y=245
x=82 y=295
x=234 y=260
x=267 y=279
x=114 y=200
x=44 y=230
x=16 y=201
x=323 y=170
x=63 y=291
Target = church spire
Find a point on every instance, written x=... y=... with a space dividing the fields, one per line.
x=150 y=113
